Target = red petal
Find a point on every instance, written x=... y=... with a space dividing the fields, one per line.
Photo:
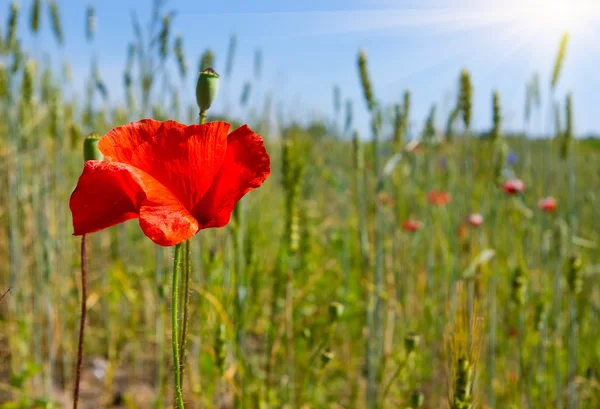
x=184 y=159
x=119 y=143
x=110 y=193
x=246 y=166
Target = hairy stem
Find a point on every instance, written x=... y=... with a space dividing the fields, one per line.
x=82 y=321
x=175 y=327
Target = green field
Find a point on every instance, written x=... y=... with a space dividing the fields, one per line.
x=316 y=294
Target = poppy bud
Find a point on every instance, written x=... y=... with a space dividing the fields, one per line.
x=207 y=88
x=336 y=310
x=416 y=399
x=326 y=356
x=90 y=148
x=411 y=342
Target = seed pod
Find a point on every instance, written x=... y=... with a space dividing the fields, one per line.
x=90 y=148
x=55 y=19
x=519 y=286
x=574 y=274
x=465 y=98
x=90 y=25
x=365 y=81
x=178 y=47
x=206 y=88
x=35 y=16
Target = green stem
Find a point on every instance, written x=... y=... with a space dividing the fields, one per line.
x=187 y=267
x=175 y=327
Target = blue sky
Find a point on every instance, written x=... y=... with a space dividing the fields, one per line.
x=310 y=46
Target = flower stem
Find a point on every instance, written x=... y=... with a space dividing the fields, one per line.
x=175 y=327
x=187 y=267
x=82 y=321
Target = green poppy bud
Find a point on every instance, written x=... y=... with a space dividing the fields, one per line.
x=207 y=88
x=90 y=148
x=336 y=310
x=416 y=399
x=411 y=342
x=326 y=356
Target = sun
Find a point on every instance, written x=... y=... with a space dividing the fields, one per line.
x=562 y=15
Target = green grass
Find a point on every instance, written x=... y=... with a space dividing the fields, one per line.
x=262 y=333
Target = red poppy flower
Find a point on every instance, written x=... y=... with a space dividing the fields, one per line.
x=547 y=204
x=176 y=179
x=439 y=198
x=475 y=219
x=513 y=186
x=411 y=225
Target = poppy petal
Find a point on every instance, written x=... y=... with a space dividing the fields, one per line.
x=109 y=193
x=184 y=159
x=119 y=143
x=246 y=166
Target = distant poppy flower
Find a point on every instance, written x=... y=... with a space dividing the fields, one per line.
x=411 y=225
x=439 y=198
x=475 y=219
x=547 y=204
x=513 y=186
x=176 y=179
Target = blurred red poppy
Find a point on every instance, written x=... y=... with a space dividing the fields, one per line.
x=547 y=204
x=176 y=179
x=513 y=186
x=475 y=219
x=411 y=225
x=439 y=198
